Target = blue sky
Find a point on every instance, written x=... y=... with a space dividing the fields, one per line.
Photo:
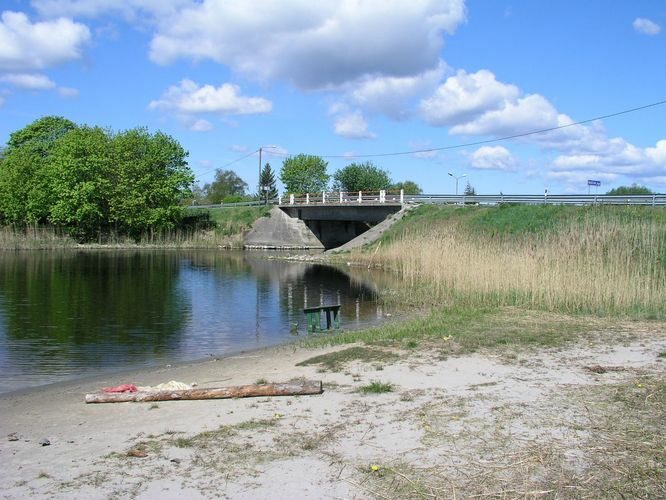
x=358 y=77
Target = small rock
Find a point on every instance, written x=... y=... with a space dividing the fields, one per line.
x=44 y=442
x=175 y=461
x=13 y=436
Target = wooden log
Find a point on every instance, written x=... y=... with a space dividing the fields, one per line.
x=241 y=391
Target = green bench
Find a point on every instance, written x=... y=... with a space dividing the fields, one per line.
x=313 y=317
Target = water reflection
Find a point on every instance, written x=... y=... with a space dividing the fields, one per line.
x=68 y=314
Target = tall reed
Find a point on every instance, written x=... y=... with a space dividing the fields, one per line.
x=599 y=265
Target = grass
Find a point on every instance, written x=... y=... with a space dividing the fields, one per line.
x=229 y=226
x=460 y=330
x=335 y=361
x=592 y=260
x=376 y=387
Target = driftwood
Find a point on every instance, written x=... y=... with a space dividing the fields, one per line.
x=241 y=391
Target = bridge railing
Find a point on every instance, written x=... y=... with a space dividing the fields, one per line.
x=343 y=198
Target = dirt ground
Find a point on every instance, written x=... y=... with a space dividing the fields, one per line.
x=582 y=421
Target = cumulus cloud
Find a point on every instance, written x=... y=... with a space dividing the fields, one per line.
x=27 y=46
x=646 y=26
x=190 y=98
x=465 y=97
x=311 y=44
x=201 y=125
x=353 y=126
x=391 y=95
x=28 y=81
x=492 y=157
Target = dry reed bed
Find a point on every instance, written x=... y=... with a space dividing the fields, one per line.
x=599 y=266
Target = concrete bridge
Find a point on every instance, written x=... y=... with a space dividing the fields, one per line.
x=337 y=218
x=325 y=221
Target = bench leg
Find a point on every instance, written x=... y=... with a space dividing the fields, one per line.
x=314 y=322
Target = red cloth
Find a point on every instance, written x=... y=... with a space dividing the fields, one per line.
x=121 y=388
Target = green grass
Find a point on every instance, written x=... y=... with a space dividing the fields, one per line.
x=517 y=220
x=376 y=387
x=234 y=220
x=335 y=361
x=459 y=330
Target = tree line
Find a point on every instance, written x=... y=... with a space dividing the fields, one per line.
x=301 y=174
x=91 y=180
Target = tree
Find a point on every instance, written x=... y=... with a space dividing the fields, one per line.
x=304 y=174
x=361 y=177
x=267 y=183
x=409 y=187
x=226 y=184
x=24 y=184
x=469 y=190
x=629 y=190
x=150 y=179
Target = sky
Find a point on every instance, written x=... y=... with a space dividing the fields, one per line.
x=358 y=80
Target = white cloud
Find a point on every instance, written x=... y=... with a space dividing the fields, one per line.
x=312 y=44
x=492 y=157
x=391 y=94
x=28 y=81
x=201 y=125
x=238 y=148
x=68 y=92
x=26 y=46
x=189 y=98
x=465 y=97
x=353 y=126
x=646 y=26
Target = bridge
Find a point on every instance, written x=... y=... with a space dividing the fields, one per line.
x=335 y=218
x=339 y=217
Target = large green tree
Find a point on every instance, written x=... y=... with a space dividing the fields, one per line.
x=304 y=174
x=225 y=184
x=150 y=179
x=267 y=183
x=408 y=187
x=25 y=186
x=361 y=177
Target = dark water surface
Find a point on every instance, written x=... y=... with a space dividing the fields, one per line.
x=72 y=314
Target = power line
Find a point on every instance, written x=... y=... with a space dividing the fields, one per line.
x=498 y=139
x=458 y=146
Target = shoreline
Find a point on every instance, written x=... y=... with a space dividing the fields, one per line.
x=505 y=405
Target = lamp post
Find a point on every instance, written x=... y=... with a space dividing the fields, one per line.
x=259 y=178
x=457 y=178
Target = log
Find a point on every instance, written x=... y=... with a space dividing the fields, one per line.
x=241 y=391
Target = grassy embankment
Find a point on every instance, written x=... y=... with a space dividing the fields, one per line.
x=228 y=225
x=472 y=267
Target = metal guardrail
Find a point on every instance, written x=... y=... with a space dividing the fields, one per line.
x=653 y=200
x=387 y=197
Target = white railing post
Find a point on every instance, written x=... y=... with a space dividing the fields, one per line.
x=280 y=200
x=323 y=196
x=360 y=197
x=307 y=198
x=402 y=196
x=291 y=199
x=340 y=196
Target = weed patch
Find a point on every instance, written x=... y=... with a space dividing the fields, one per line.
x=335 y=361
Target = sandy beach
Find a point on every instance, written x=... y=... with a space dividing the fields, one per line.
x=512 y=422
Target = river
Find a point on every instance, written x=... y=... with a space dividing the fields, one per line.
x=65 y=315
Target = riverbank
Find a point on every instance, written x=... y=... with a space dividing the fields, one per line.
x=429 y=416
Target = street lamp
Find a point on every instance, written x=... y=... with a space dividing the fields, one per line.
x=457 y=178
x=259 y=178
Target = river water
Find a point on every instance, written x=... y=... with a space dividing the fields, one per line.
x=65 y=315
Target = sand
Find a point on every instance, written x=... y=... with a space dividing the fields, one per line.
x=465 y=417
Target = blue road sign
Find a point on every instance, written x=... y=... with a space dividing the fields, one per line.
x=593 y=183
